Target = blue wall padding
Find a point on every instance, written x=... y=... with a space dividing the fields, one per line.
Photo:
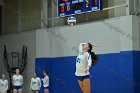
x=136 y=63
x=41 y=65
x=115 y=73
x=126 y=70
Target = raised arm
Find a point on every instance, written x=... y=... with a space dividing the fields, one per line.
x=81 y=47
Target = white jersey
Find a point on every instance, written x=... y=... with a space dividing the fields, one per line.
x=45 y=81
x=17 y=80
x=35 y=84
x=83 y=60
x=3 y=86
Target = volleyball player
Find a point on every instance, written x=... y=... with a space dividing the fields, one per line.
x=83 y=64
x=17 y=82
x=35 y=84
x=3 y=84
x=46 y=82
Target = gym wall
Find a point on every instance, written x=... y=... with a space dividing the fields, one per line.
x=15 y=42
x=55 y=50
x=116 y=71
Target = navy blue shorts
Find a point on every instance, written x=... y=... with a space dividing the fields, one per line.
x=46 y=88
x=17 y=87
x=81 y=78
x=35 y=90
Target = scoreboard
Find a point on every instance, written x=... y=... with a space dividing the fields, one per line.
x=73 y=7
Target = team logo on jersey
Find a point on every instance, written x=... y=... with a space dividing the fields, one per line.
x=34 y=82
x=17 y=80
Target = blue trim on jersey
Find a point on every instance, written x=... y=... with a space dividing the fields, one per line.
x=46 y=88
x=17 y=87
x=82 y=78
x=89 y=56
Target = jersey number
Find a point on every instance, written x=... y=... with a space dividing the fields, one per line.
x=78 y=60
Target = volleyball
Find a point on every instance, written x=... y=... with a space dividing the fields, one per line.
x=71 y=21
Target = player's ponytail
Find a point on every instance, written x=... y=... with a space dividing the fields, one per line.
x=94 y=57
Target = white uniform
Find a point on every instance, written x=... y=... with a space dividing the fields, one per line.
x=35 y=84
x=17 y=80
x=45 y=81
x=3 y=86
x=83 y=60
